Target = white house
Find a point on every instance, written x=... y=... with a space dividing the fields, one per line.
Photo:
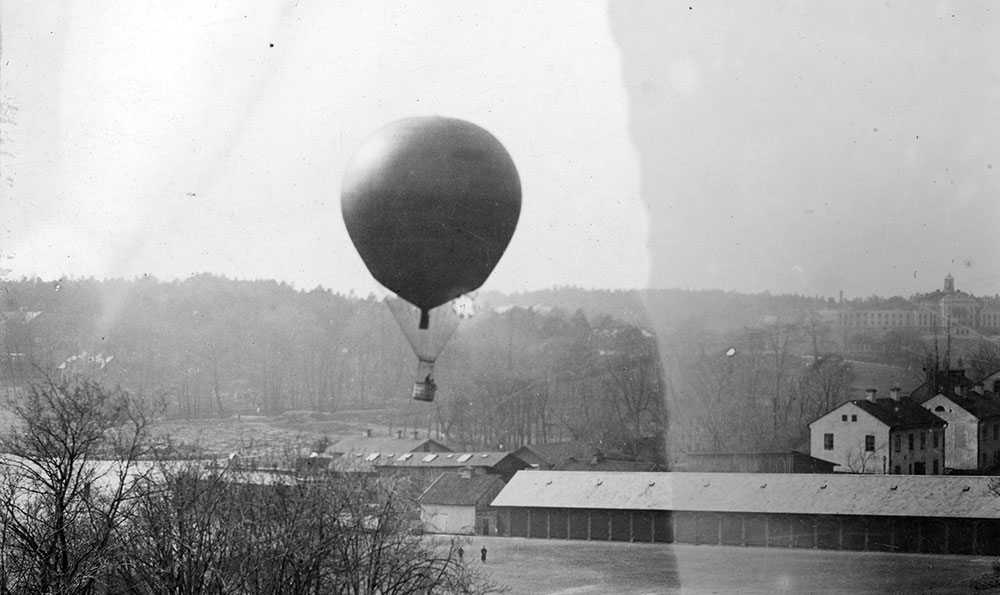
x=870 y=435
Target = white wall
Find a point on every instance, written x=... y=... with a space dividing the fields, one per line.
x=849 y=439
x=961 y=445
x=458 y=520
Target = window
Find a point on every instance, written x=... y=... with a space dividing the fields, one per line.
x=923 y=440
x=896 y=469
x=996 y=431
x=898 y=441
x=934 y=467
x=909 y=439
x=854 y=418
x=843 y=417
x=934 y=438
x=827 y=441
x=869 y=443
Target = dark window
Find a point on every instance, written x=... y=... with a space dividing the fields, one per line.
x=923 y=440
x=827 y=441
x=869 y=443
x=854 y=418
x=934 y=438
x=934 y=465
x=996 y=431
x=909 y=439
x=843 y=417
x=896 y=469
x=898 y=442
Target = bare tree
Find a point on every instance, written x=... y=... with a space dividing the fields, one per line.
x=68 y=474
x=862 y=459
x=228 y=530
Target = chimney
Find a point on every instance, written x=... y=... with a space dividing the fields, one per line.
x=894 y=393
x=870 y=395
x=465 y=473
x=416 y=434
x=399 y=433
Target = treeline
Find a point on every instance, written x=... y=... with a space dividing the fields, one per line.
x=211 y=346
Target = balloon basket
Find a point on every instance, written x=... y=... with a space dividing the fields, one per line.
x=424 y=388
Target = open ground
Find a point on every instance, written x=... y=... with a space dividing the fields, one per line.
x=557 y=567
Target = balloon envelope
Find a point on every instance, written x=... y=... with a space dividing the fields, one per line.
x=431 y=204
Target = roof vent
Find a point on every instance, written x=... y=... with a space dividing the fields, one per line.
x=464 y=458
x=763 y=485
x=548 y=483
x=822 y=487
x=966 y=488
x=485 y=455
x=429 y=457
x=893 y=488
x=449 y=455
x=600 y=482
x=652 y=483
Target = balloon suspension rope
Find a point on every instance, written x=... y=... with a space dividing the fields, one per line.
x=425 y=319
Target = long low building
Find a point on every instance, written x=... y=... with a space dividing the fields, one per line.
x=933 y=514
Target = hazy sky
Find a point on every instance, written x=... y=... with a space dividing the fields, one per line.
x=792 y=147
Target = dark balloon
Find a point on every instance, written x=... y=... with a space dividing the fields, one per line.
x=431 y=204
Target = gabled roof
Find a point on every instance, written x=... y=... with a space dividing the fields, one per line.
x=788 y=493
x=946 y=380
x=457 y=460
x=980 y=406
x=899 y=414
x=452 y=489
x=385 y=445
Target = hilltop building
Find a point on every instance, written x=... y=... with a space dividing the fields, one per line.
x=959 y=312
x=873 y=435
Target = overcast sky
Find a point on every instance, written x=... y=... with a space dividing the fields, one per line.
x=791 y=147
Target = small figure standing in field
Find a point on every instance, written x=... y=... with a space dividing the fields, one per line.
x=461 y=554
x=482 y=554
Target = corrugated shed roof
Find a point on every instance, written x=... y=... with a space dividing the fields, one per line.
x=788 y=493
x=452 y=489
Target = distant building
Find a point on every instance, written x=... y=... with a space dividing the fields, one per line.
x=959 y=312
x=423 y=468
x=873 y=435
x=366 y=444
x=547 y=456
x=602 y=464
x=458 y=503
x=753 y=462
